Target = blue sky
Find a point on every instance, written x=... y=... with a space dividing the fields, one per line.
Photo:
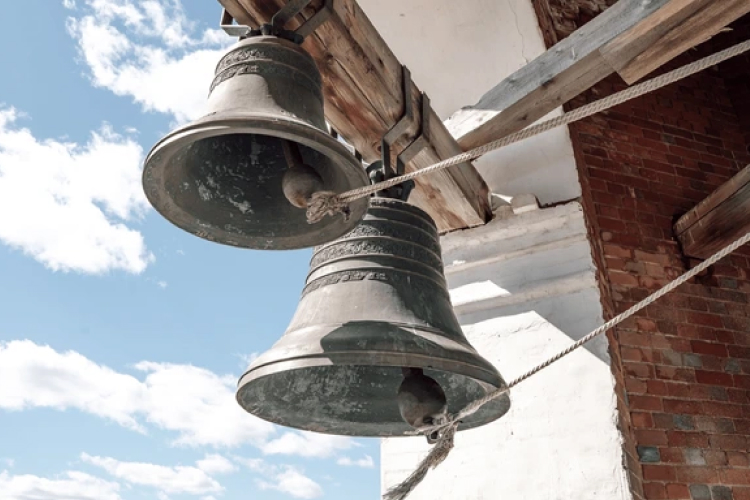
x=122 y=337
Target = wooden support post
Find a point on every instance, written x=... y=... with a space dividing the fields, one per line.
x=363 y=95
x=718 y=220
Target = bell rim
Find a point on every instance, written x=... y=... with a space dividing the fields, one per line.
x=243 y=123
x=481 y=372
x=491 y=412
x=472 y=371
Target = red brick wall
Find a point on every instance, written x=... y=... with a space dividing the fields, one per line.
x=682 y=366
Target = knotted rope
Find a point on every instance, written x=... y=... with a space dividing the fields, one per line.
x=329 y=203
x=325 y=203
x=448 y=430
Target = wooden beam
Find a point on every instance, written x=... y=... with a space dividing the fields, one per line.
x=363 y=92
x=621 y=50
x=570 y=67
x=718 y=220
x=698 y=28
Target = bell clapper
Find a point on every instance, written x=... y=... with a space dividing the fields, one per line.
x=421 y=401
x=300 y=181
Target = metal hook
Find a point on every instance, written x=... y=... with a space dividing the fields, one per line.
x=279 y=20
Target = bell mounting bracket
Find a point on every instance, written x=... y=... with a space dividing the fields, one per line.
x=422 y=141
x=276 y=26
x=381 y=170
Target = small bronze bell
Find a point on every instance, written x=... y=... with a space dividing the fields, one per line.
x=241 y=175
x=374 y=348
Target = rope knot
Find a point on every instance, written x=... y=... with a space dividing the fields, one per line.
x=324 y=203
x=437 y=455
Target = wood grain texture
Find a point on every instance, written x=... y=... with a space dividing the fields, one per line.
x=700 y=26
x=631 y=37
x=362 y=87
x=477 y=127
x=570 y=67
x=718 y=220
x=621 y=51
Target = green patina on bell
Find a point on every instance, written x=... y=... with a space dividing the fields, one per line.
x=241 y=174
x=373 y=327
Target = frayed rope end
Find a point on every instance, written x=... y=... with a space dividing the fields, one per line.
x=437 y=455
x=325 y=203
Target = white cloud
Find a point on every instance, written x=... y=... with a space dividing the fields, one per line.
x=308 y=444
x=284 y=478
x=367 y=462
x=216 y=464
x=197 y=404
x=69 y=4
x=38 y=376
x=72 y=485
x=294 y=483
x=70 y=202
x=257 y=464
x=9 y=462
x=176 y=480
x=149 y=51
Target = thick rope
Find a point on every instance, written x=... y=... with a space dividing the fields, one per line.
x=445 y=443
x=325 y=203
x=329 y=203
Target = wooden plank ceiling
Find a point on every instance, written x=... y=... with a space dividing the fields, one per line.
x=363 y=95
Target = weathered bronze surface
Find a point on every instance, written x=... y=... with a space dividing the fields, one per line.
x=220 y=177
x=375 y=302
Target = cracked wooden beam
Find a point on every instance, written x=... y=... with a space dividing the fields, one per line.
x=362 y=81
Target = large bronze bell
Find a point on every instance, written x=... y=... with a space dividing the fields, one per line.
x=241 y=174
x=374 y=342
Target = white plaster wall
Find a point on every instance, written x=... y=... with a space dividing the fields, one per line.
x=543 y=165
x=523 y=289
x=459 y=49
